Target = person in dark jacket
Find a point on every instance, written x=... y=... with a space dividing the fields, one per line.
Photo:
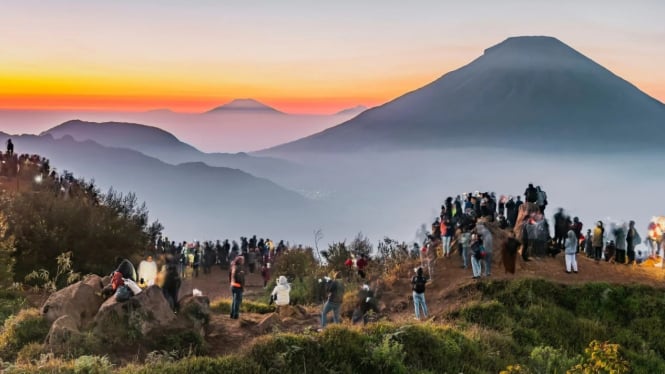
x=531 y=194
x=366 y=304
x=335 y=290
x=418 y=285
x=171 y=286
x=237 y=286
x=632 y=239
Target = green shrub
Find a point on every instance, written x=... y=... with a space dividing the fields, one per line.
x=92 y=365
x=287 y=353
x=544 y=359
x=28 y=326
x=388 y=356
x=10 y=303
x=343 y=348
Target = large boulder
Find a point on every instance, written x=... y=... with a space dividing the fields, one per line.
x=62 y=331
x=80 y=301
x=194 y=313
x=139 y=317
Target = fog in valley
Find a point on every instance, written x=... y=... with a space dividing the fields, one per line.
x=391 y=194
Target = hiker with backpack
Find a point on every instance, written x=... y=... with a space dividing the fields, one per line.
x=418 y=285
x=237 y=286
x=335 y=291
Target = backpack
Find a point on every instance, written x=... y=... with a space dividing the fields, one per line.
x=123 y=293
x=479 y=252
x=419 y=284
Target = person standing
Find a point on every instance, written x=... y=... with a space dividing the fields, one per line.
x=237 y=286
x=10 y=148
x=597 y=240
x=571 y=251
x=464 y=241
x=334 y=301
x=477 y=254
x=147 y=272
x=418 y=284
x=620 y=242
x=171 y=286
x=486 y=237
x=632 y=239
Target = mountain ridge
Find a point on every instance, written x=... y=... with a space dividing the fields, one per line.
x=520 y=91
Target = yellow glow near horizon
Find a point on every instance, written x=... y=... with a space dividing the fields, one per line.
x=298 y=57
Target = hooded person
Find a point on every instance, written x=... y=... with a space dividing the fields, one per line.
x=571 y=251
x=147 y=272
x=280 y=294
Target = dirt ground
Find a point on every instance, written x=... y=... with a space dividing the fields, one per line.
x=228 y=336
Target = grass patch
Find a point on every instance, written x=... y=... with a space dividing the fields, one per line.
x=28 y=326
x=223 y=306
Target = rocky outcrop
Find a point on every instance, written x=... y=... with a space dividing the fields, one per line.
x=141 y=315
x=80 y=302
x=62 y=331
x=195 y=313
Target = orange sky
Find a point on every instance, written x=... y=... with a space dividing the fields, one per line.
x=297 y=57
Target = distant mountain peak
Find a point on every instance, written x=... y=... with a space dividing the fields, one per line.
x=352 y=111
x=245 y=105
x=545 y=49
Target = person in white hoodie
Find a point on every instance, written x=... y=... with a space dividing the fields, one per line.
x=571 y=251
x=280 y=294
x=147 y=272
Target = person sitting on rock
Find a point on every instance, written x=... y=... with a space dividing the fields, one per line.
x=125 y=270
x=280 y=294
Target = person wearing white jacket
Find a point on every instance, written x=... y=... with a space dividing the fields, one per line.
x=281 y=292
x=571 y=252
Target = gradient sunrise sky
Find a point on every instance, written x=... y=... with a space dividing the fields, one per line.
x=298 y=56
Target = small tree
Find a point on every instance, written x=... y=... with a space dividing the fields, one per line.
x=336 y=255
x=64 y=275
x=361 y=245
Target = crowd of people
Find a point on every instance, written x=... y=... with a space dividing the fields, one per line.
x=466 y=226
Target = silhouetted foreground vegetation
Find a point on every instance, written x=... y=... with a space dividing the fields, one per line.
x=522 y=326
